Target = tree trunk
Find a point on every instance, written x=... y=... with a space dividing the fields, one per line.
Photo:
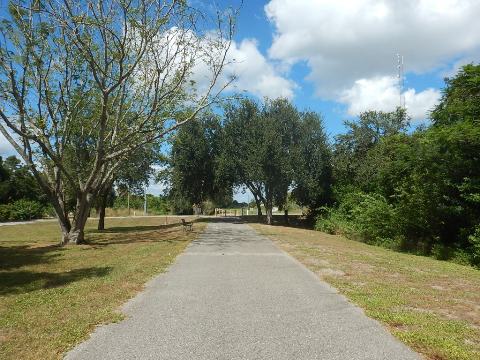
x=76 y=235
x=268 y=203
x=286 y=216
x=101 y=218
x=269 y=213
x=65 y=227
x=101 y=211
x=62 y=214
x=259 y=206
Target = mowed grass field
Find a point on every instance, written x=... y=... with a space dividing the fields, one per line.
x=52 y=297
x=433 y=306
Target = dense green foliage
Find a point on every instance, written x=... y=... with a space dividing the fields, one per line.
x=461 y=98
x=416 y=191
x=193 y=174
x=21 y=210
x=257 y=143
x=156 y=205
x=20 y=196
x=17 y=182
x=272 y=149
x=311 y=164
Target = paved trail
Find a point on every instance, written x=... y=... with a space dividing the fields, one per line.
x=234 y=295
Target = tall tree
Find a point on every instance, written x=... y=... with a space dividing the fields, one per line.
x=312 y=164
x=242 y=138
x=259 y=143
x=134 y=58
x=461 y=98
x=352 y=147
x=193 y=175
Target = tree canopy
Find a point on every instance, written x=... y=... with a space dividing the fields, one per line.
x=85 y=84
x=193 y=172
x=271 y=149
x=460 y=100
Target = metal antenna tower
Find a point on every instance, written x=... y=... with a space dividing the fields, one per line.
x=401 y=80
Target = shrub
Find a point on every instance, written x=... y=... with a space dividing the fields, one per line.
x=474 y=240
x=330 y=221
x=374 y=219
x=208 y=208
x=326 y=225
x=456 y=255
x=5 y=212
x=364 y=217
x=26 y=210
x=49 y=211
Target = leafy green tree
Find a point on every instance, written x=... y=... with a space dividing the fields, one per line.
x=17 y=182
x=258 y=147
x=388 y=163
x=133 y=58
x=4 y=185
x=312 y=164
x=193 y=176
x=460 y=100
x=239 y=156
x=439 y=199
x=363 y=135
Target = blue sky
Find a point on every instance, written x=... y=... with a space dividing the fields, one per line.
x=435 y=37
x=339 y=57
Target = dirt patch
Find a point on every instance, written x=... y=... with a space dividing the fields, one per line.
x=330 y=272
x=417 y=309
x=316 y=261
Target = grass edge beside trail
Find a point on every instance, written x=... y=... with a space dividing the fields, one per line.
x=432 y=306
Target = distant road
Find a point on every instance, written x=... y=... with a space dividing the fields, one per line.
x=25 y=222
x=108 y=217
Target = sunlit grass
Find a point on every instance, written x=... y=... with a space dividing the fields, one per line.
x=433 y=306
x=52 y=297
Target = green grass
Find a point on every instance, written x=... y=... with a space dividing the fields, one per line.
x=433 y=306
x=52 y=297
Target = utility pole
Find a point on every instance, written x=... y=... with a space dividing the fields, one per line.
x=128 y=199
x=401 y=80
x=145 y=201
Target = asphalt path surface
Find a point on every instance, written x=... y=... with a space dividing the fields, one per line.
x=234 y=295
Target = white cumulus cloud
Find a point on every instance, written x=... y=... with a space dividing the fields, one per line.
x=351 y=44
x=382 y=93
x=254 y=73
